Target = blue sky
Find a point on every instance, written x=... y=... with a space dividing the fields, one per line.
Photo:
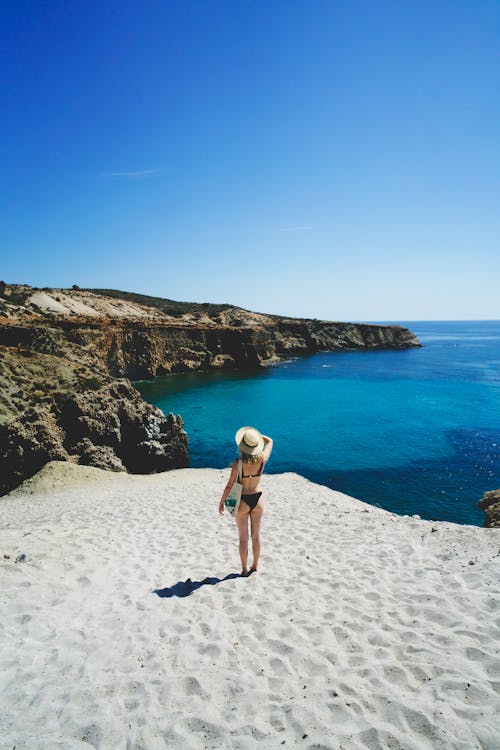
x=325 y=159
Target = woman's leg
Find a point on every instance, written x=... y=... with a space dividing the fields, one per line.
x=242 y=523
x=255 y=517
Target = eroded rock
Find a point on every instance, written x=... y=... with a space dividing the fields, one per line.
x=490 y=503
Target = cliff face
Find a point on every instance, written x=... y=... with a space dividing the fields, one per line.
x=490 y=503
x=138 y=351
x=58 y=406
x=65 y=356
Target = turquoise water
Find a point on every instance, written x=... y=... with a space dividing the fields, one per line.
x=414 y=431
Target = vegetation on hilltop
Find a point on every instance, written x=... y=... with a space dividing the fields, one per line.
x=167 y=306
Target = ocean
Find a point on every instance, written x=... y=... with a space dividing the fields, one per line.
x=414 y=431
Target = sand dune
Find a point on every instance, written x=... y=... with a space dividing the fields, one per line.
x=361 y=630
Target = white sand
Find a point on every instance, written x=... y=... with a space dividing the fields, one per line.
x=46 y=302
x=361 y=630
x=65 y=302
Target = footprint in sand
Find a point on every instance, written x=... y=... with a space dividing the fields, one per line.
x=23 y=619
x=395 y=675
x=279 y=667
x=280 y=647
x=193 y=687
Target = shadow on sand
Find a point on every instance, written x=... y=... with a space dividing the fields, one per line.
x=186 y=588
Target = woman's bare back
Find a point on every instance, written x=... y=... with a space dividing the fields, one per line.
x=250 y=476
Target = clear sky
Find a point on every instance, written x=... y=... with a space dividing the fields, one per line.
x=320 y=158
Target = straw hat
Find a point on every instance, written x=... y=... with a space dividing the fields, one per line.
x=249 y=440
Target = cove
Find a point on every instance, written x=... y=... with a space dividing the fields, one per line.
x=414 y=431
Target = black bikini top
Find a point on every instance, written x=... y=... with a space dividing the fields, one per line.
x=252 y=476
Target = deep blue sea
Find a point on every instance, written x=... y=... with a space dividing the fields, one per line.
x=413 y=431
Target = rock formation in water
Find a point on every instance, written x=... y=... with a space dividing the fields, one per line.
x=490 y=503
x=66 y=357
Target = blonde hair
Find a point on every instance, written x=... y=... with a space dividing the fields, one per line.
x=251 y=459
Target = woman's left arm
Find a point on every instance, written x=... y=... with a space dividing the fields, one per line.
x=268 y=447
x=227 y=489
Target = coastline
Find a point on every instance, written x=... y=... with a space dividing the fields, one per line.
x=362 y=629
x=427 y=420
x=67 y=357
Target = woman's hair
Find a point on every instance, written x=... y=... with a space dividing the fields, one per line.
x=251 y=459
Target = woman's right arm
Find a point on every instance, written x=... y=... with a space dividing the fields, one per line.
x=227 y=488
x=268 y=447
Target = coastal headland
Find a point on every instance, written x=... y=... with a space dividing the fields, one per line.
x=67 y=357
x=125 y=623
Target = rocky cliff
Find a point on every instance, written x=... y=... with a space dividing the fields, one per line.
x=490 y=503
x=66 y=357
x=56 y=404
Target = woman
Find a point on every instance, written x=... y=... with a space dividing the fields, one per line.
x=255 y=450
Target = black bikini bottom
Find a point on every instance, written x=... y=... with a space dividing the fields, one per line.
x=251 y=500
